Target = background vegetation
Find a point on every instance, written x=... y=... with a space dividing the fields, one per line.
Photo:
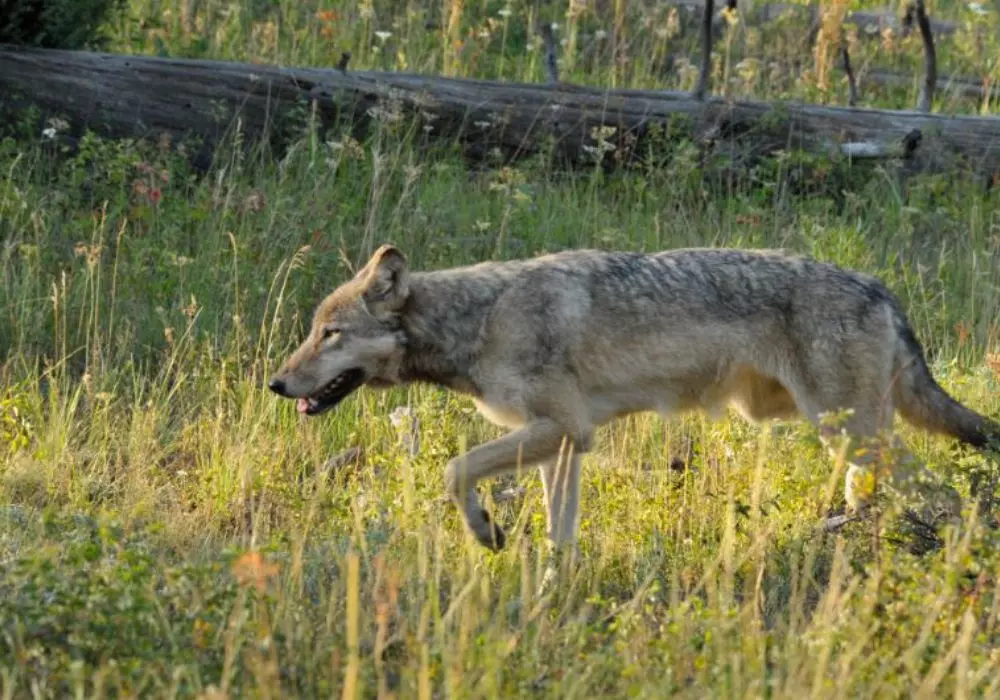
x=168 y=528
x=57 y=24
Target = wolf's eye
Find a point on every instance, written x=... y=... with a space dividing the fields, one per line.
x=330 y=331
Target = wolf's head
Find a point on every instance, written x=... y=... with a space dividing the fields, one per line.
x=355 y=338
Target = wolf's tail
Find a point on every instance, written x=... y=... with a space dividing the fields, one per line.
x=923 y=402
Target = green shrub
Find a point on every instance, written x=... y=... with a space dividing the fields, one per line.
x=56 y=24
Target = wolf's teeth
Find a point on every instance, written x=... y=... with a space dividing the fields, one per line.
x=331 y=389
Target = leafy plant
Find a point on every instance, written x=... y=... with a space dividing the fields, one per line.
x=57 y=24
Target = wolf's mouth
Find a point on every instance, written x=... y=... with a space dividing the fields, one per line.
x=333 y=393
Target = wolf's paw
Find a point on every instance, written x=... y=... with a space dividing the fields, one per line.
x=489 y=534
x=560 y=563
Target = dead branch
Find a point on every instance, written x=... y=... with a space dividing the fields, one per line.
x=904 y=148
x=706 y=51
x=930 y=59
x=909 y=16
x=852 y=83
x=957 y=85
x=351 y=456
x=838 y=522
x=551 y=52
x=869 y=23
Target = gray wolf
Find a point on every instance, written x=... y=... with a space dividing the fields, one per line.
x=555 y=346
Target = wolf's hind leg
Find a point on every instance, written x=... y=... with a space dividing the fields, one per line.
x=875 y=455
x=538 y=440
x=873 y=460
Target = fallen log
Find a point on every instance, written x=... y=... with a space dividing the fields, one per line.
x=947 y=85
x=869 y=23
x=143 y=96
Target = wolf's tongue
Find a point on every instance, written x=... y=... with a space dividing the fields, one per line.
x=302 y=405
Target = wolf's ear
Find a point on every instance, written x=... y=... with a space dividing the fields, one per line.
x=386 y=280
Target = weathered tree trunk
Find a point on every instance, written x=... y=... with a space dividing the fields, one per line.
x=947 y=85
x=869 y=23
x=144 y=96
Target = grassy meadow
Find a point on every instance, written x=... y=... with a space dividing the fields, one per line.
x=168 y=528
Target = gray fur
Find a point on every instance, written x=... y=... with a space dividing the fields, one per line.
x=555 y=346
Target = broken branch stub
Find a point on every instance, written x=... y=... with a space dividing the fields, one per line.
x=926 y=98
x=704 y=73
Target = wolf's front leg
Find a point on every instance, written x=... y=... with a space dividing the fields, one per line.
x=561 y=484
x=536 y=441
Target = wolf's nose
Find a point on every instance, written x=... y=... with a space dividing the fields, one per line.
x=277 y=386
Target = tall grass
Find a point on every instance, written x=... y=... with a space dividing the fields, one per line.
x=610 y=43
x=168 y=528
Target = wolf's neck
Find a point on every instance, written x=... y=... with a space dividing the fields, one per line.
x=443 y=322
